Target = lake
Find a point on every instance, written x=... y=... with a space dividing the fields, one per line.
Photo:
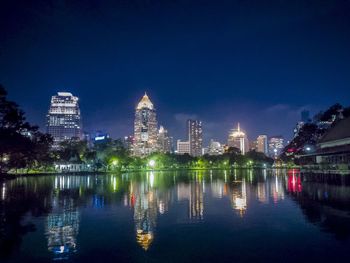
x=182 y=216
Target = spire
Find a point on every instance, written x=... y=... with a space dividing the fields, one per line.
x=238 y=128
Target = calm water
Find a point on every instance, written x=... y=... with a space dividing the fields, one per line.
x=196 y=216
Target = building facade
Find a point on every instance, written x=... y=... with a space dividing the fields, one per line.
x=215 y=148
x=145 y=128
x=64 y=118
x=332 y=153
x=262 y=145
x=183 y=147
x=238 y=139
x=276 y=145
x=164 y=141
x=195 y=137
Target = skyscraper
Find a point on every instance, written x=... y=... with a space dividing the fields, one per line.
x=195 y=137
x=276 y=144
x=164 y=141
x=64 y=119
x=262 y=144
x=238 y=139
x=145 y=128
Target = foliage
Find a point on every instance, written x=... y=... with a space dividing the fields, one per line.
x=21 y=144
x=310 y=133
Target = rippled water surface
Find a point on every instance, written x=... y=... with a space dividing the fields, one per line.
x=193 y=216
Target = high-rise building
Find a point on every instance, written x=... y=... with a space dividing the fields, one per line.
x=183 y=147
x=145 y=128
x=238 y=139
x=128 y=142
x=195 y=137
x=276 y=144
x=253 y=145
x=64 y=119
x=164 y=141
x=215 y=148
x=262 y=145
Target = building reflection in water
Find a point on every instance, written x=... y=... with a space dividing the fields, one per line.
x=153 y=194
x=277 y=186
x=239 y=196
x=193 y=192
x=63 y=220
x=144 y=201
x=62 y=227
x=3 y=192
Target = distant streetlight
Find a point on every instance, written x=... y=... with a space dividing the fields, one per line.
x=308 y=149
x=152 y=163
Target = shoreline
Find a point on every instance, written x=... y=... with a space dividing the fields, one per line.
x=303 y=171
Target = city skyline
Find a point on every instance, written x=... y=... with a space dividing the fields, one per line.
x=235 y=61
x=148 y=136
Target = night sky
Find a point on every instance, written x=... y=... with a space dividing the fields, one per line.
x=254 y=62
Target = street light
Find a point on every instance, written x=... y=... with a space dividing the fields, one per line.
x=152 y=163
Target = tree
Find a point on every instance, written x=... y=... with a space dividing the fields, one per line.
x=21 y=144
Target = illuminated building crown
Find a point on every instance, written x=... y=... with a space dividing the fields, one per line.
x=145 y=102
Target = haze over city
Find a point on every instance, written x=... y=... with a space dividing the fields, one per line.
x=254 y=63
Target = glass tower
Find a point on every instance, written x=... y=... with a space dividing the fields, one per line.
x=64 y=119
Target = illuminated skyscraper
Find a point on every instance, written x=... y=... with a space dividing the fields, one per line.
x=164 y=141
x=276 y=144
x=195 y=137
x=145 y=128
x=238 y=139
x=262 y=144
x=63 y=119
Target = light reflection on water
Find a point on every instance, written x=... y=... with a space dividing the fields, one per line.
x=61 y=203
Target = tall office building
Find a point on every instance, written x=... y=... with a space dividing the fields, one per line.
x=262 y=145
x=276 y=144
x=164 y=141
x=253 y=145
x=64 y=119
x=145 y=128
x=195 y=137
x=238 y=139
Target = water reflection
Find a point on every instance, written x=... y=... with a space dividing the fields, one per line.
x=62 y=227
x=152 y=195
